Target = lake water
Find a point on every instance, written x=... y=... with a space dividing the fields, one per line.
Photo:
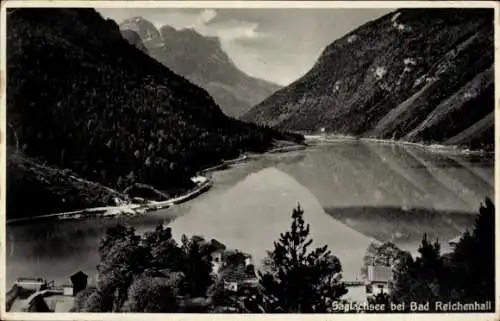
x=353 y=193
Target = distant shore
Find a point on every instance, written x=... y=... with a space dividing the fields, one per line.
x=431 y=147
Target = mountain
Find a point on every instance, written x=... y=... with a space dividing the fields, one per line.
x=202 y=61
x=419 y=75
x=134 y=39
x=87 y=111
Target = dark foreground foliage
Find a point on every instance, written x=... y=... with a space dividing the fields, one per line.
x=153 y=273
x=466 y=275
x=299 y=280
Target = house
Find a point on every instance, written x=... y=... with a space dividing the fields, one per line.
x=232 y=267
x=379 y=279
x=79 y=281
x=454 y=242
x=236 y=277
x=67 y=290
x=38 y=295
x=198 y=180
x=238 y=273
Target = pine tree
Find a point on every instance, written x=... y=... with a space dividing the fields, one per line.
x=420 y=280
x=196 y=264
x=122 y=257
x=297 y=280
x=473 y=260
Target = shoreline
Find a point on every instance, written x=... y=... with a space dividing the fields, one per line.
x=132 y=209
x=437 y=148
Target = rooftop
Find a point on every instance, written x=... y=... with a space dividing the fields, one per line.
x=238 y=273
x=217 y=245
x=79 y=274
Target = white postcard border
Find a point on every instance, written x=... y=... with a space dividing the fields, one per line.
x=230 y=4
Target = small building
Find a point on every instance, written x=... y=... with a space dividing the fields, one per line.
x=198 y=180
x=79 y=281
x=379 y=279
x=32 y=284
x=67 y=290
x=237 y=276
x=454 y=242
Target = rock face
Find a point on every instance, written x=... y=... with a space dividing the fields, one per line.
x=201 y=60
x=421 y=75
x=82 y=98
x=134 y=39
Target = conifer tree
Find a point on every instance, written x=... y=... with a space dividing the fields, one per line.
x=196 y=264
x=299 y=280
x=122 y=257
x=466 y=275
x=473 y=260
x=420 y=280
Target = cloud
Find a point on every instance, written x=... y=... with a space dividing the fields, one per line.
x=232 y=30
x=207 y=15
x=208 y=23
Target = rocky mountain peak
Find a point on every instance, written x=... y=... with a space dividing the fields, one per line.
x=202 y=60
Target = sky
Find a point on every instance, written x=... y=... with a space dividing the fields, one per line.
x=275 y=44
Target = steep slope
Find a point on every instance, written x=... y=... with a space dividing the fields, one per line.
x=422 y=75
x=201 y=60
x=82 y=98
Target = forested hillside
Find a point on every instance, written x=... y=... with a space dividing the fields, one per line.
x=80 y=97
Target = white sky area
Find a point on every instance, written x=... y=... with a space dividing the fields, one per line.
x=278 y=45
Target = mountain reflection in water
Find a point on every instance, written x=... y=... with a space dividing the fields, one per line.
x=353 y=193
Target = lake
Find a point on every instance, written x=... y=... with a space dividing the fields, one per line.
x=353 y=193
